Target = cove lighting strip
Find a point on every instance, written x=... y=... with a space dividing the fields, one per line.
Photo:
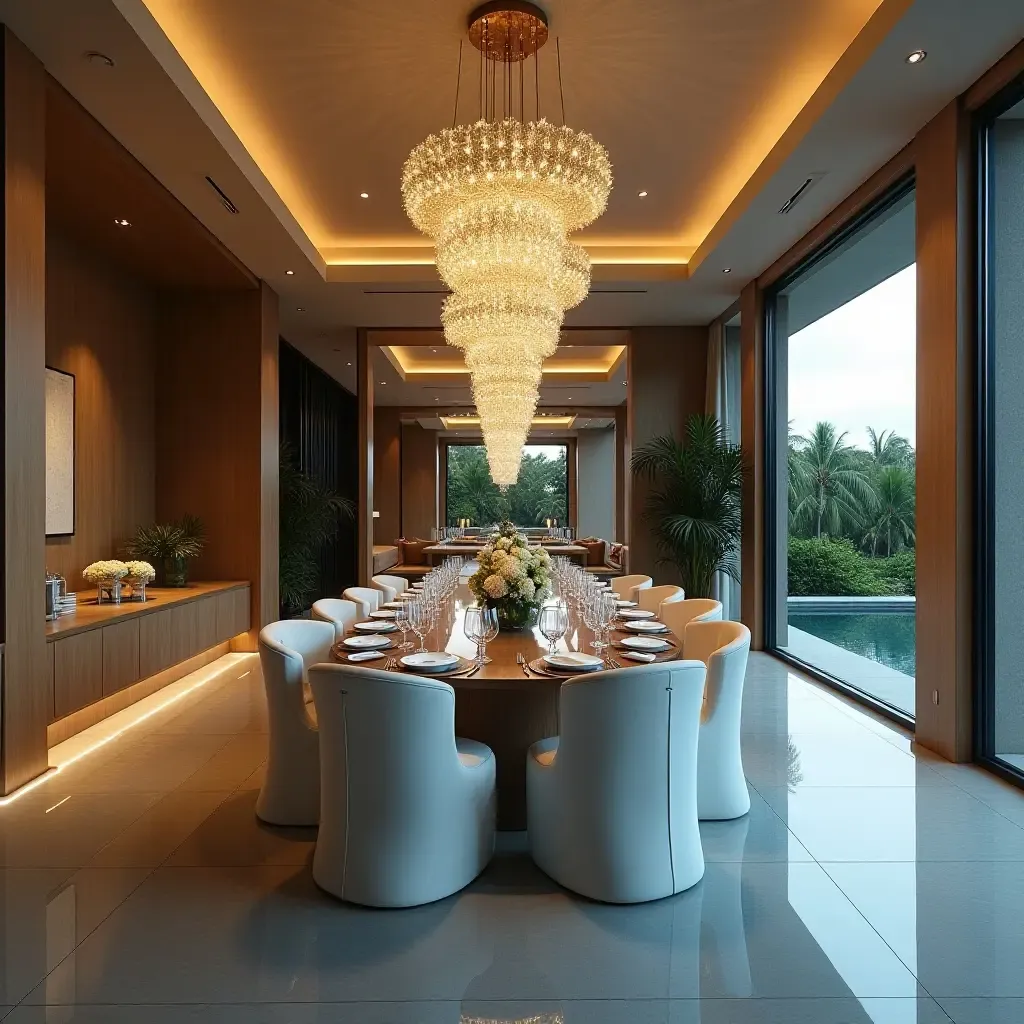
x=75 y=749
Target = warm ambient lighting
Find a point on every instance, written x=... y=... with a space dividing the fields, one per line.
x=917 y=56
x=642 y=195
x=364 y=195
x=98 y=736
x=121 y=222
x=289 y=272
x=499 y=197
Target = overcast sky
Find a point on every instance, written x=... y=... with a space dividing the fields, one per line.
x=856 y=366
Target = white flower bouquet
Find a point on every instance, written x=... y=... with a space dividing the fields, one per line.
x=140 y=572
x=513 y=578
x=106 y=571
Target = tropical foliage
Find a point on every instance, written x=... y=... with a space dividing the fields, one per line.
x=852 y=514
x=541 y=492
x=693 y=507
x=310 y=516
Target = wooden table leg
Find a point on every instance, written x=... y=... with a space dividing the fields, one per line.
x=508 y=721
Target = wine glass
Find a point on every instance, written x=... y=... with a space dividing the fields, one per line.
x=607 y=609
x=553 y=622
x=419 y=620
x=473 y=627
x=489 y=624
x=402 y=622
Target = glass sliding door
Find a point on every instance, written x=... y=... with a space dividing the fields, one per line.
x=841 y=437
x=999 y=636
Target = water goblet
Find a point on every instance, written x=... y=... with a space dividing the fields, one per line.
x=553 y=623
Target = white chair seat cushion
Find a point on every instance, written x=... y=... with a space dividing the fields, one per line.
x=471 y=753
x=544 y=751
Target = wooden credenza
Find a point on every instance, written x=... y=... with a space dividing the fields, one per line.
x=100 y=650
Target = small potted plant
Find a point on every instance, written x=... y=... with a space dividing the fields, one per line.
x=139 y=574
x=106 y=577
x=168 y=547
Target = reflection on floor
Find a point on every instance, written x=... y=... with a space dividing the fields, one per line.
x=870 y=883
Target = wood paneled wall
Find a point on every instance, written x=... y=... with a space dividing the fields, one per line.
x=945 y=372
x=419 y=481
x=387 y=474
x=101 y=326
x=24 y=709
x=218 y=434
x=666 y=385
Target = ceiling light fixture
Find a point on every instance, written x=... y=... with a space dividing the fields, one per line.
x=642 y=195
x=95 y=57
x=500 y=197
x=382 y=382
x=300 y=309
x=364 y=195
x=121 y=222
x=290 y=273
x=916 y=57
x=726 y=270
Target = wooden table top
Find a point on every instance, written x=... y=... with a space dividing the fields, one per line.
x=90 y=615
x=463 y=547
x=502 y=650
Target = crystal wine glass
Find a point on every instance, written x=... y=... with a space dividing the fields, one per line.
x=553 y=623
x=402 y=622
x=419 y=620
x=473 y=627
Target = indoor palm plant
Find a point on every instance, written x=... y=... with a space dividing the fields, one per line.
x=169 y=546
x=693 y=507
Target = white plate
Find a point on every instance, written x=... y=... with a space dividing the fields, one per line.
x=646 y=627
x=366 y=642
x=417 y=586
x=574 y=660
x=636 y=613
x=383 y=613
x=431 y=661
x=393 y=604
x=375 y=627
x=625 y=604
x=646 y=643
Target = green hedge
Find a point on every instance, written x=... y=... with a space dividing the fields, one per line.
x=835 y=568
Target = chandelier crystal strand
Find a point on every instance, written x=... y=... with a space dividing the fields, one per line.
x=500 y=199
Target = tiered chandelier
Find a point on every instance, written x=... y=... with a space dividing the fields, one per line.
x=499 y=197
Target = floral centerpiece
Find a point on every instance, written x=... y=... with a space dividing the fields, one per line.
x=513 y=578
x=139 y=574
x=106 y=576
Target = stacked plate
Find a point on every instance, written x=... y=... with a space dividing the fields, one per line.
x=366 y=643
x=635 y=613
x=571 y=662
x=647 y=644
x=646 y=626
x=383 y=613
x=375 y=627
x=430 y=661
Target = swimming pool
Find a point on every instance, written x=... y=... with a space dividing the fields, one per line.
x=885 y=637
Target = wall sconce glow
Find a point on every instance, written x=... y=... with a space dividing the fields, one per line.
x=917 y=56
x=121 y=222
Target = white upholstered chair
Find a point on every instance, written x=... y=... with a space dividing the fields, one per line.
x=290 y=794
x=723 y=646
x=336 y=610
x=612 y=801
x=389 y=586
x=652 y=598
x=625 y=585
x=407 y=809
x=678 y=613
x=366 y=599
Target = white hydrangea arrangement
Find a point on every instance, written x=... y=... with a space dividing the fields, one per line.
x=109 y=569
x=140 y=572
x=513 y=577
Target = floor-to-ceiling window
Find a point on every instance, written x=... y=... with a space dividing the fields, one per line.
x=1000 y=519
x=539 y=496
x=841 y=433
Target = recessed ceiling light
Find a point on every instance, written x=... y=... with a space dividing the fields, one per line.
x=95 y=57
x=348 y=364
x=364 y=195
x=917 y=56
x=625 y=382
x=121 y=222
x=290 y=273
x=437 y=399
x=382 y=382
x=642 y=195
x=300 y=309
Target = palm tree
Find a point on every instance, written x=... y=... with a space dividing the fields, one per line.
x=835 y=493
x=694 y=504
x=893 y=519
x=890 y=449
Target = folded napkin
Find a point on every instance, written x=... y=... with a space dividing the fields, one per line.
x=639 y=656
x=365 y=656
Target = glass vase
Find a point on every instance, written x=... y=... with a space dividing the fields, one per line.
x=136 y=589
x=108 y=592
x=516 y=615
x=172 y=572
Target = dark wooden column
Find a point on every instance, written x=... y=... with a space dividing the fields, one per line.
x=25 y=679
x=364 y=514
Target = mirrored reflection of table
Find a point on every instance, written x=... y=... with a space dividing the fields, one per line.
x=502 y=706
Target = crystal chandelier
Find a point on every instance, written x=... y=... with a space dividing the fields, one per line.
x=500 y=198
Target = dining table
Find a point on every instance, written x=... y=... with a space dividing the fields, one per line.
x=508 y=703
x=471 y=547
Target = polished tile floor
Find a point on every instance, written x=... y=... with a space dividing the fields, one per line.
x=870 y=883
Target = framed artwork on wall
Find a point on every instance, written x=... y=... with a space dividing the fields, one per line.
x=60 y=453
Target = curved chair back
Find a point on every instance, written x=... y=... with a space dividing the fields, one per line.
x=389 y=586
x=394 y=827
x=625 y=585
x=677 y=614
x=652 y=598
x=290 y=794
x=366 y=599
x=723 y=646
x=337 y=611
x=613 y=815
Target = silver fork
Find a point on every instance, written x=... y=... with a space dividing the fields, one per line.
x=521 y=662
